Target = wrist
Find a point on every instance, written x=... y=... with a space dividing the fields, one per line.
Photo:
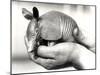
x=83 y=58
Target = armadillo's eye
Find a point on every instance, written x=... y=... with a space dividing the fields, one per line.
x=33 y=34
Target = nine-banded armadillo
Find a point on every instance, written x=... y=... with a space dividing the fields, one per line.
x=52 y=26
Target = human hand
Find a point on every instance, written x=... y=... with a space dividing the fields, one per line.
x=63 y=54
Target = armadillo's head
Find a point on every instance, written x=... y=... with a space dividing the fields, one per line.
x=49 y=30
x=33 y=24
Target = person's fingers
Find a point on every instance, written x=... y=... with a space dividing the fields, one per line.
x=47 y=63
x=47 y=52
x=56 y=50
x=50 y=57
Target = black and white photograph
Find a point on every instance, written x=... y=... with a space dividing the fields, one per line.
x=52 y=37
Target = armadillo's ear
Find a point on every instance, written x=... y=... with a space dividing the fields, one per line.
x=28 y=15
x=35 y=13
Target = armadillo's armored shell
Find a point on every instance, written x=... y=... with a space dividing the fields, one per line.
x=52 y=23
x=50 y=27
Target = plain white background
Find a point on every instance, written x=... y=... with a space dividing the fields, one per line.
x=5 y=36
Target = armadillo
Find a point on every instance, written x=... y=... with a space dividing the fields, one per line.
x=53 y=25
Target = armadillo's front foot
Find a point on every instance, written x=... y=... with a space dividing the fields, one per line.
x=51 y=43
